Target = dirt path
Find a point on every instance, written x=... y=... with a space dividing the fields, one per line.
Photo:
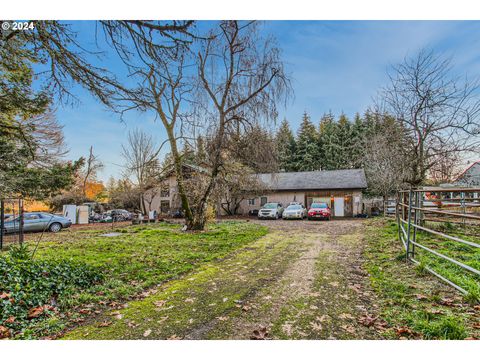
x=302 y=281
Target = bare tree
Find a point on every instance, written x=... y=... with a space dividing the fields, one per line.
x=384 y=158
x=235 y=184
x=140 y=155
x=234 y=79
x=439 y=110
x=446 y=168
x=92 y=165
x=242 y=79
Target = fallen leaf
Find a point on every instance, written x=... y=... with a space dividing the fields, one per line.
x=105 y=324
x=334 y=283
x=85 y=311
x=346 y=316
x=35 y=312
x=322 y=318
x=315 y=326
x=159 y=303
x=313 y=307
x=404 y=330
x=225 y=299
x=4 y=332
x=4 y=295
x=368 y=320
x=222 y=318
x=189 y=300
x=446 y=302
x=132 y=324
x=471 y=338
x=174 y=337
x=476 y=325
x=147 y=333
x=421 y=297
x=259 y=334
x=246 y=308
x=381 y=325
x=10 y=320
x=348 y=328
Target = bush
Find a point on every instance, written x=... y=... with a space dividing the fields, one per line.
x=31 y=290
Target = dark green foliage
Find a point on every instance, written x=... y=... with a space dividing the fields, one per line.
x=307 y=152
x=23 y=105
x=28 y=284
x=285 y=147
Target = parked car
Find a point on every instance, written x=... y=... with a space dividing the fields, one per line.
x=294 y=211
x=319 y=210
x=271 y=211
x=37 y=221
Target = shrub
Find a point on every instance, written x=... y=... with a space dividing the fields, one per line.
x=31 y=290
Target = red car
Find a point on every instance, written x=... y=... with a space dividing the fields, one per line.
x=319 y=211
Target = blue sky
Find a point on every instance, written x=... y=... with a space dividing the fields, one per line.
x=335 y=65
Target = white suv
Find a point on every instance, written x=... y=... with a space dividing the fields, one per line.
x=271 y=211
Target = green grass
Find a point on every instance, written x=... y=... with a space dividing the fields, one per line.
x=461 y=252
x=410 y=296
x=141 y=257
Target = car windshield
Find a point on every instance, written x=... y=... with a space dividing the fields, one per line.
x=270 y=206
x=294 y=207
x=319 y=206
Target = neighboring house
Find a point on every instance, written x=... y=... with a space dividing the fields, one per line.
x=470 y=177
x=340 y=189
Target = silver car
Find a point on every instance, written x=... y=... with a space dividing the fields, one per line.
x=294 y=211
x=37 y=221
x=271 y=211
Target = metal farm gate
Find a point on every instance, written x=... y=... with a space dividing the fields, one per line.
x=10 y=209
x=418 y=210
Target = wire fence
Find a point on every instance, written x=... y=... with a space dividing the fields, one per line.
x=456 y=210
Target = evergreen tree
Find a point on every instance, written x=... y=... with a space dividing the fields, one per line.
x=307 y=155
x=285 y=147
x=328 y=136
x=359 y=141
x=344 y=145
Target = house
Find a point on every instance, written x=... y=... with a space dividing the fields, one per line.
x=470 y=177
x=165 y=199
x=341 y=189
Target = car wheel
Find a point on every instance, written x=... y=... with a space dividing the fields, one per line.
x=55 y=227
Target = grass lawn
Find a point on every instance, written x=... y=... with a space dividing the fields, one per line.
x=466 y=254
x=417 y=304
x=126 y=265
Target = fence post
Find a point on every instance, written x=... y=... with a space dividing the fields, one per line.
x=2 y=221
x=20 y=228
x=415 y=221
x=409 y=222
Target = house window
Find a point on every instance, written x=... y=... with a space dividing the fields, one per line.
x=263 y=200
x=164 y=206
x=251 y=201
x=165 y=191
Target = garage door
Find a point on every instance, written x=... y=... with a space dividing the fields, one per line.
x=339 y=205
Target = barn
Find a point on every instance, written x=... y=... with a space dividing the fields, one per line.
x=341 y=189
